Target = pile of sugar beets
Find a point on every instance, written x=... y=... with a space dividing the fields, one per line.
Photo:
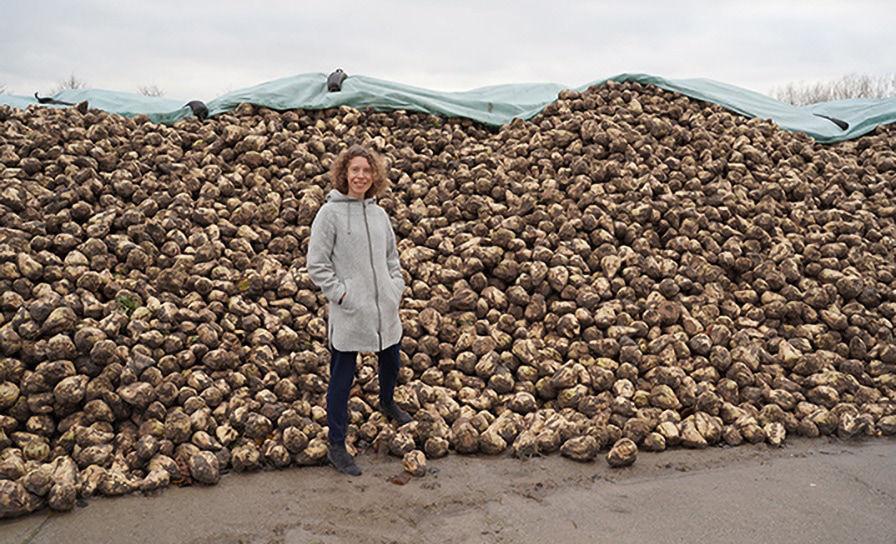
x=629 y=269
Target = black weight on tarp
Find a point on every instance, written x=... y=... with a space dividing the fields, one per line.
x=48 y=100
x=200 y=110
x=334 y=81
x=839 y=122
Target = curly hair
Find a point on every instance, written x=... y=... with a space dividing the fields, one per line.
x=339 y=170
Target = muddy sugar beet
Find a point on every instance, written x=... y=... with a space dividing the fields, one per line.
x=629 y=270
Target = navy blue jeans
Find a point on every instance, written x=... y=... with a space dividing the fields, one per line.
x=342 y=374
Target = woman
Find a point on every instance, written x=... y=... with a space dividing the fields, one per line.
x=353 y=258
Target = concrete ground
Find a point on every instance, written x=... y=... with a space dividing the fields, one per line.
x=813 y=491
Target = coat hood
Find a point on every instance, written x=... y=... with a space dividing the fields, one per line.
x=336 y=196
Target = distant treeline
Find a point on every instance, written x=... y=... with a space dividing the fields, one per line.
x=849 y=86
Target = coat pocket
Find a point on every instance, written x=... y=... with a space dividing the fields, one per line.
x=393 y=295
x=348 y=303
x=395 y=290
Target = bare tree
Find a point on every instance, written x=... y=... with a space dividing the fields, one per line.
x=71 y=82
x=848 y=86
x=150 y=90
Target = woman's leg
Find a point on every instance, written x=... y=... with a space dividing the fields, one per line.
x=389 y=362
x=342 y=374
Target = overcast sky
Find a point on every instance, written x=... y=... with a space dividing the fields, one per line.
x=201 y=49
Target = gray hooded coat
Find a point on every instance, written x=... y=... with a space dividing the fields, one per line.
x=352 y=252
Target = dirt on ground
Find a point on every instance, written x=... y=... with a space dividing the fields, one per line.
x=816 y=491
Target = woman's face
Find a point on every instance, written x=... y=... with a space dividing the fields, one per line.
x=360 y=177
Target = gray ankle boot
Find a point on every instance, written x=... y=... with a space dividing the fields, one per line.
x=392 y=411
x=340 y=458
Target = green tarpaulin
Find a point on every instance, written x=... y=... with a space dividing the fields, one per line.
x=495 y=105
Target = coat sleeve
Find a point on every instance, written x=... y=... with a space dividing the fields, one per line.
x=392 y=257
x=319 y=262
